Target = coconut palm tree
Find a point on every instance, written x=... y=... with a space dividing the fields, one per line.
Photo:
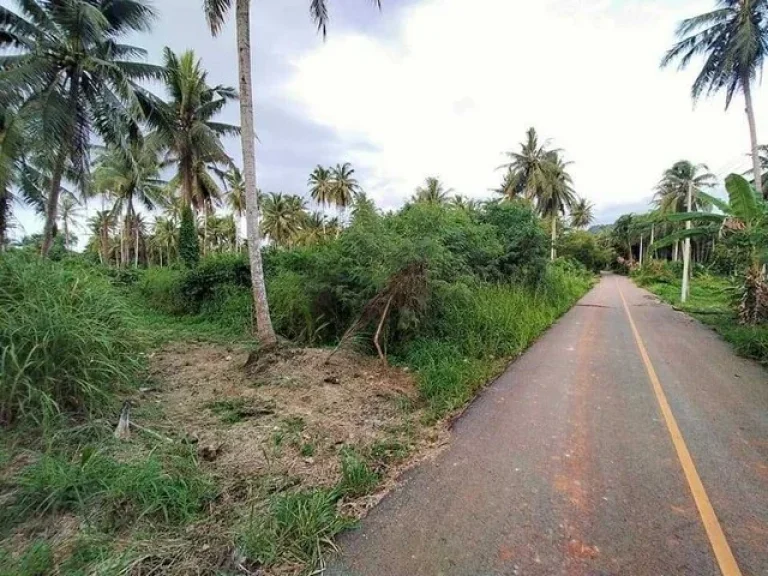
x=432 y=192
x=70 y=210
x=235 y=185
x=745 y=215
x=344 y=187
x=73 y=75
x=129 y=176
x=283 y=217
x=527 y=170
x=555 y=195
x=733 y=39
x=672 y=189
x=166 y=234
x=184 y=127
x=582 y=213
x=102 y=225
x=320 y=188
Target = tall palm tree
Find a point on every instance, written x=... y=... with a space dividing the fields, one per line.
x=344 y=186
x=527 y=170
x=70 y=210
x=320 y=188
x=509 y=188
x=432 y=192
x=185 y=126
x=216 y=12
x=129 y=176
x=235 y=185
x=733 y=39
x=582 y=213
x=166 y=235
x=73 y=75
x=556 y=195
x=672 y=189
x=102 y=224
x=284 y=216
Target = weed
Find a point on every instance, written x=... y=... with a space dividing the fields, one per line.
x=307 y=449
x=387 y=452
x=357 y=478
x=65 y=341
x=294 y=527
x=37 y=560
x=236 y=410
x=166 y=487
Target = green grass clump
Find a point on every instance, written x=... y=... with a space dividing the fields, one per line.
x=296 y=527
x=165 y=487
x=357 y=477
x=37 y=560
x=66 y=342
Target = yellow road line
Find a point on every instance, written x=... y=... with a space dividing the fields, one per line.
x=725 y=558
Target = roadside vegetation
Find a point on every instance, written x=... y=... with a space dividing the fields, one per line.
x=188 y=395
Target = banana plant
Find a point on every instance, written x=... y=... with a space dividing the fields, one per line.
x=744 y=215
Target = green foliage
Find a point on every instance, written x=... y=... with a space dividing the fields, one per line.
x=357 y=478
x=66 y=342
x=585 y=247
x=189 y=248
x=479 y=327
x=161 y=289
x=294 y=527
x=37 y=560
x=164 y=487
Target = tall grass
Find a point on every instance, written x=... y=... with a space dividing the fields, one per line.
x=482 y=327
x=166 y=487
x=65 y=341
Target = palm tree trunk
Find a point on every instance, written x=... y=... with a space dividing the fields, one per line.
x=745 y=84
x=675 y=248
x=687 y=250
x=136 y=255
x=653 y=232
x=554 y=238
x=264 y=330
x=52 y=205
x=641 y=250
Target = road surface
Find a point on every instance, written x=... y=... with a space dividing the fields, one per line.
x=629 y=440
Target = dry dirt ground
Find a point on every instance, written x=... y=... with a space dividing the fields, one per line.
x=288 y=414
x=278 y=424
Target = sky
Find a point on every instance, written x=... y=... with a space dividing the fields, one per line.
x=444 y=87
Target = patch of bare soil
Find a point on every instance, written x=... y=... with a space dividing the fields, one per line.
x=282 y=421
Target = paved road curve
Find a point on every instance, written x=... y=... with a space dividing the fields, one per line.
x=567 y=464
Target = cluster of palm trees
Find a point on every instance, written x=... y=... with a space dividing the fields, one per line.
x=67 y=78
x=539 y=174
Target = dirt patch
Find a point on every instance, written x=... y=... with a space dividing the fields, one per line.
x=288 y=414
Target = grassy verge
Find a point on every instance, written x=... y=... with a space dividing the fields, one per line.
x=712 y=303
x=482 y=329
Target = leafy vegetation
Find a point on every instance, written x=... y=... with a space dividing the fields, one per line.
x=66 y=341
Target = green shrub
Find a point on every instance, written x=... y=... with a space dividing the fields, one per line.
x=166 y=487
x=200 y=283
x=295 y=527
x=189 y=247
x=161 y=289
x=584 y=247
x=65 y=341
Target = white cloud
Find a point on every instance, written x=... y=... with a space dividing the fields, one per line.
x=462 y=81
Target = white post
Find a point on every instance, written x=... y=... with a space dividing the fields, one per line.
x=687 y=249
x=641 y=249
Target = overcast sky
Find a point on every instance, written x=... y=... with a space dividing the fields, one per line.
x=444 y=87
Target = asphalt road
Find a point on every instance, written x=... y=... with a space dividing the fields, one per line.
x=567 y=463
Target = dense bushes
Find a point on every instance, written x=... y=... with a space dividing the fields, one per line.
x=586 y=248
x=65 y=340
x=491 y=289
